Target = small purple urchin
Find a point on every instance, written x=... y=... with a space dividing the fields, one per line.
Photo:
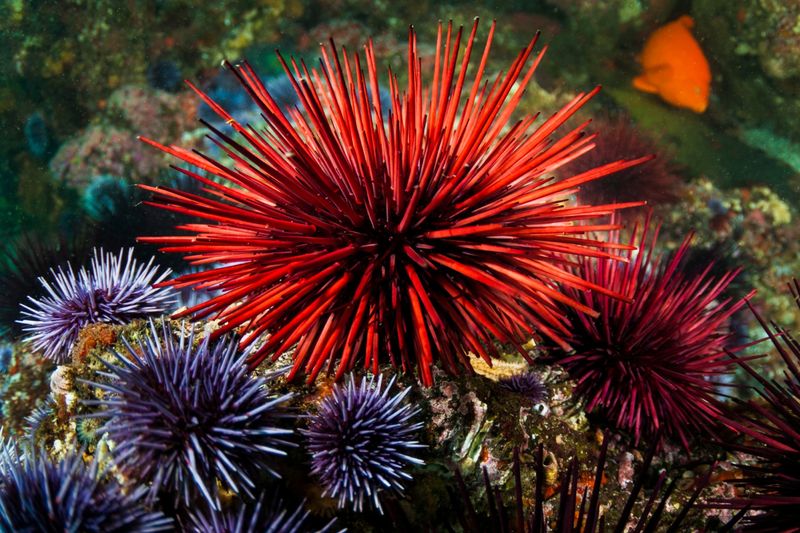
x=360 y=439
x=527 y=384
x=185 y=418
x=116 y=289
x=37 y=494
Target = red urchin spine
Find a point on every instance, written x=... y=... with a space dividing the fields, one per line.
x=423 y=234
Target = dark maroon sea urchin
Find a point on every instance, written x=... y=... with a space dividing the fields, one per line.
x=115 y=289
x=23 y=260
x=655 y=181
x=360 y=441
x=581 y=509
x=771 y=426
x=186 y=419
x=651 y=364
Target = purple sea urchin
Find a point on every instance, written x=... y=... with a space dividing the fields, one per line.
x=116 y=289
x=360 y=440
x=37 y=494
x=527 y=384
x=186 y=418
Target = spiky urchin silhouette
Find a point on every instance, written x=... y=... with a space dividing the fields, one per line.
x=258 y=516
x=771 y=426
x=37 y=494
x=187 y=418
x=115 y=289
x=360 y=441
x=651 y=365
x=583 y=509
x=411 y=237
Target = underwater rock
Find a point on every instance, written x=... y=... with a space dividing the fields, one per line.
x=755 y=50
x=753 y=228
x=24 y=386
x=111 y=145
x=37 y=135
x=165 y=75
x=152 y=113
x=104 y=150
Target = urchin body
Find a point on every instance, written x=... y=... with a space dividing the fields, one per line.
x=361 y=440
x=186 y=418
x=115 y=289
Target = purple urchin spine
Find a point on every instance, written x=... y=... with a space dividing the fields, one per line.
x=37 y=494
x=186 y=418
x=527 y=384
x=115 y=289
x=255 y=517
x=360 y=440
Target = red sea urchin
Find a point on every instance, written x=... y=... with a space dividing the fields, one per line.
x=649 y=365
x=357 y=236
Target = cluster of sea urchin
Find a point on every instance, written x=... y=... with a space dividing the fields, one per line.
x=116 y=289
x=186 y=418
x=37 y=494
x=360 y=440
x=650 y=364
x=360 y=237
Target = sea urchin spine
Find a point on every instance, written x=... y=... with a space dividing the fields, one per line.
x=650 y=364
x=358 y=236
x=360 y=441
x=116 y=289
x=186 y=418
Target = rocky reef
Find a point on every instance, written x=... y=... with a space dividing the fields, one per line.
x=407 y=303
